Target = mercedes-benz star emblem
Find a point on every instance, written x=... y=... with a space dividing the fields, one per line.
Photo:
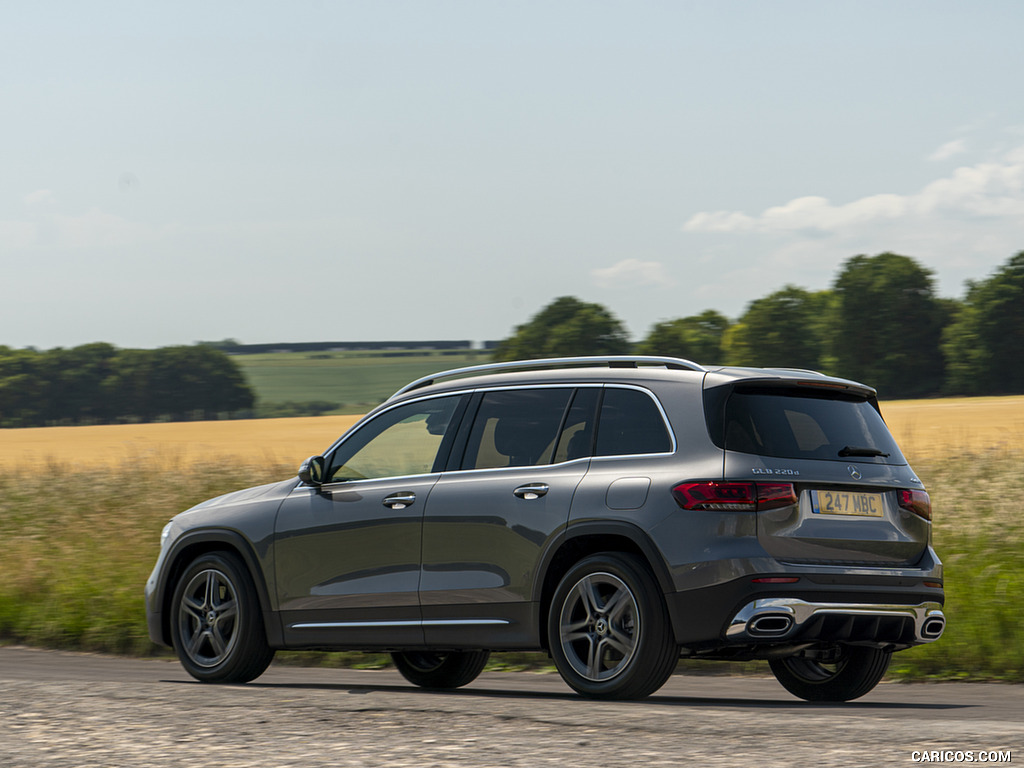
x=854 y=472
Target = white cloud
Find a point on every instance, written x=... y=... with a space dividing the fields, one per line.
x=631 y=272
x=948 y=150
x=719 y=221
x=986 y=190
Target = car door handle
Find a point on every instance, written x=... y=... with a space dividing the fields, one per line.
x=399 y=500
x=533 y=491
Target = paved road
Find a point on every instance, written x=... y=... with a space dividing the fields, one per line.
x=61 y=710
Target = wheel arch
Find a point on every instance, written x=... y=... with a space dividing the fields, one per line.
x=196 y=543
x=582 y=540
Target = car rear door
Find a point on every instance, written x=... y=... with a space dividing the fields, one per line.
x=488 y=520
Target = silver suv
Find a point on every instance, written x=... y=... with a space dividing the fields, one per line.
x=619 y=513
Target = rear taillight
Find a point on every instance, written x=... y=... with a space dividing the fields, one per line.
x=918 y=502
x=775 y=495
x=740 y=497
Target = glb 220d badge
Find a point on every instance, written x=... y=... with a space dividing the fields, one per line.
x=762 y=471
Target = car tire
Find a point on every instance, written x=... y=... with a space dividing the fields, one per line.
x=216 y=623
x=608 y=629
x=440 y=670
x=857 y=670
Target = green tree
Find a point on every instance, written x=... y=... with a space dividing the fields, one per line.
x=76 y=384
x=697 y=338
x=131 y=383
x=984 y=346
x=888 y=326
x=197 y=381
x=783 y=329
x=567 y=327
x=21 y=388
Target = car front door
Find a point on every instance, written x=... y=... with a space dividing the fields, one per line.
x=348 y=551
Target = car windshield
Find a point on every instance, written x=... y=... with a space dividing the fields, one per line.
x=796 y=425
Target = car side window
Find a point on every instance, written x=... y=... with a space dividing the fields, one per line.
x=516 y=428
x=630 y=423
x=402 y=441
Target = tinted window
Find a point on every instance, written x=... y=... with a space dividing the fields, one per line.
x=516 y=428
x=630 y=422
x=802 y=427
x=402 y=441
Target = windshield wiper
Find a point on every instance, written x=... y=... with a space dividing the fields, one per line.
x=852 y=450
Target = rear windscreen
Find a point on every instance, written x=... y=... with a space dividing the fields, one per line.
x=798 y=425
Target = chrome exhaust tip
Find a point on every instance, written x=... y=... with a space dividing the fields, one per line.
x=770 y=625
x=933 y=627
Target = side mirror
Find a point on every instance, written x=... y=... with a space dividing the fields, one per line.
x=311 y=471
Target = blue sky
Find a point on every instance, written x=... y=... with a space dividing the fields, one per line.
x=301 y=171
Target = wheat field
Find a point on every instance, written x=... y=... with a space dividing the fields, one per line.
x=955 y=426
x=80 y=522
x=255 y=441
x=925 y=429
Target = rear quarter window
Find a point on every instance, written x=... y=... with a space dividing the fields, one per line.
x=630 y=423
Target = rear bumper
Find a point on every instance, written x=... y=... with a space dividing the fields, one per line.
x=786 y=619
x=705 y=618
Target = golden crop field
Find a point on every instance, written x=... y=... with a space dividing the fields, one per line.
x=255 y=441
x=924 y=429
x=932 y=429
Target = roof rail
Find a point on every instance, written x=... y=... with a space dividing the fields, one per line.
x=613 y=361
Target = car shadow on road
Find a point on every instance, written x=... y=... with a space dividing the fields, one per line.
x=663 y=701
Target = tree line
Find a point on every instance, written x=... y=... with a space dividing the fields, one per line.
x=101 y=384
x=881 y=322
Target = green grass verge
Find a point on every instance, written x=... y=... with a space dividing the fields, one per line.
x=78 y=547
x=355 y=381
x=979 y=535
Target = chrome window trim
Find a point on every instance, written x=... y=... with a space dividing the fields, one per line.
x=589 y=385
x=506 y=388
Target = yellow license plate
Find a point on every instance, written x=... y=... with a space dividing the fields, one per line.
x=846 y=503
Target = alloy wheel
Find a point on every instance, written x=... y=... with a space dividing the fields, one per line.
x=208 y=617
x=599 y=626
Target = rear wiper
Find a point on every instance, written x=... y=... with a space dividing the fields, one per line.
x=852 y=450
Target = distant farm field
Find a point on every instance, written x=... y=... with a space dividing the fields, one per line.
x=925 y=429
x=354 y=381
